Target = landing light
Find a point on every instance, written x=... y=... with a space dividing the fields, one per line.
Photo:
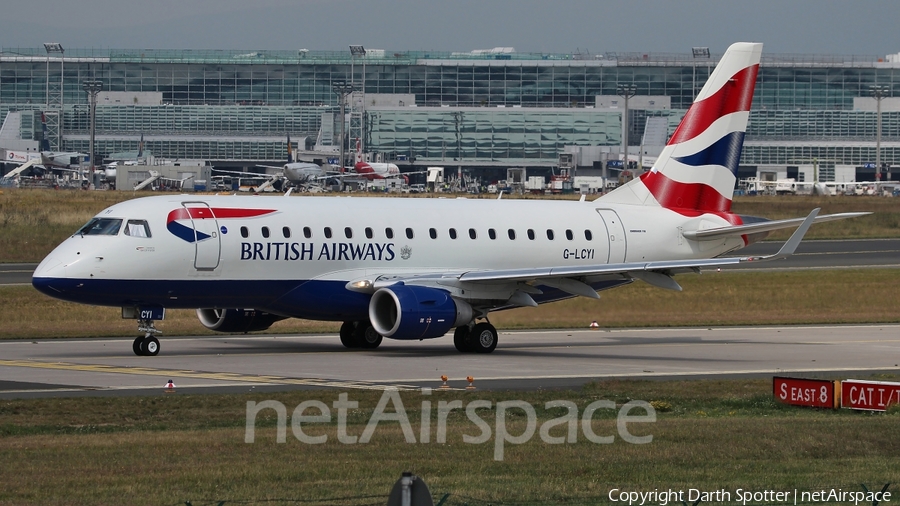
x=361 y=285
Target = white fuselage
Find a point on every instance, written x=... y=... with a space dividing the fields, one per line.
x=267 y=260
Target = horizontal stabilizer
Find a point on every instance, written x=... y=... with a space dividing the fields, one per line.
x=712 y=234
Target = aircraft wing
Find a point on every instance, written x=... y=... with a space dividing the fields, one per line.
x=572 y=279
x=765 y=226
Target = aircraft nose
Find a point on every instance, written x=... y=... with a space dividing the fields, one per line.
x=50 y=267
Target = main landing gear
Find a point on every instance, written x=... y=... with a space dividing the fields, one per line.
x=478 y=338
x=360 y=335
x=148 y=345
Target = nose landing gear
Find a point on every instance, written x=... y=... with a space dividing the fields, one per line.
x=147 y=345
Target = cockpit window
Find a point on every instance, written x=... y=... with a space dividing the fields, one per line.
x=137 y=228
x=101 y=226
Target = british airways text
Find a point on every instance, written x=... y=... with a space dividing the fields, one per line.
x=293 y=251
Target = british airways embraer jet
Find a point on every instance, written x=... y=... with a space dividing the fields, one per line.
x=417 y=268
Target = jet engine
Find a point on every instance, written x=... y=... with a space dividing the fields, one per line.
x=416 y=312
x=236 y=320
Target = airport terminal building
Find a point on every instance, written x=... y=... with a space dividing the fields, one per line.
x=476 y=110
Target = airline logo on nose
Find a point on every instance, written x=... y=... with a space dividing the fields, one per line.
x=186 y=223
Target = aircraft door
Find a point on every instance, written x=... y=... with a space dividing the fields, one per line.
x=207 y=242
x=616 y=235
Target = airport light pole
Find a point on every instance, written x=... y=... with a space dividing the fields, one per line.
x=342 y=89
x=698 y=52
x=92 y=88
x=355 y=51
x=626 y=91
x=878 y=92
x=54 y=47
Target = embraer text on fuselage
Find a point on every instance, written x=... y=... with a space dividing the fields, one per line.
x=297 y=251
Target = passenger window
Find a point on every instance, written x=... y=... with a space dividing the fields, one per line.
x=369 y=233
x=409 y=233
x=472 y=234
x=328 y=232
x=244 y=232
x=530 y=234
x=549 y=234
x=265 y=232
x=348 y=232
x=569 y=235
x=137 y=228
x=453 y=233
x=492 y=233
x=389 y=233
x=512 y=234
x=433 y=233
x=286 y=232
x=588 y=235
x=307 y=232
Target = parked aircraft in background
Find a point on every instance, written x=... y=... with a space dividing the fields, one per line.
x=418 y=268
x=110 y=170
x=63 y=160
x=298 y=174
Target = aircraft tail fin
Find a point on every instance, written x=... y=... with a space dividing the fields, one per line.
x=45 y=139
x=696 y=171
x=290 y=151
x=140 y=152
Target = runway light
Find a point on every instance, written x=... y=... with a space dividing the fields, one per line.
x=594 y=325
x=170 y=387
x=444 y=380
x=471 y=381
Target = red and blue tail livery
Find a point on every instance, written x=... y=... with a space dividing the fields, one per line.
x=697 y=170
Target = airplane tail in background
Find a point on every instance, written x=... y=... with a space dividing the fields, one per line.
x=141 y=147
x=290 y=152
x=45 y=140
x=696 y=171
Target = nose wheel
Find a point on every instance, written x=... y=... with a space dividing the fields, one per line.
x=147 y=345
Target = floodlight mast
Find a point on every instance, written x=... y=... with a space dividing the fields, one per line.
x=342 y=89
x=356 y=115
x=626 y=91
x=879 y=92
x=92 y=88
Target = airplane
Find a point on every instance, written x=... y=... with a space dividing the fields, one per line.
x=111 y=169
x=301 y=173
x=64 y=160
x=414 y=269
x=298 y=174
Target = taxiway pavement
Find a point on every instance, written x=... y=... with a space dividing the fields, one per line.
x=523 y=360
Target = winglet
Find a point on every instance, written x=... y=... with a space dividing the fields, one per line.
x=790 y=246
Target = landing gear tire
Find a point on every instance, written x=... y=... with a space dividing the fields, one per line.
x=149 y=346
x=366 y=337
x=483 y=338
x=462 y=339
x=137 y=346
x=347 y=335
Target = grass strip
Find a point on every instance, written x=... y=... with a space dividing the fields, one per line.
x=709 y=435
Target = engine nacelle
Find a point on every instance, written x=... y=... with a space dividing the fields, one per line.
x=236 y=320
x=416 y=312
